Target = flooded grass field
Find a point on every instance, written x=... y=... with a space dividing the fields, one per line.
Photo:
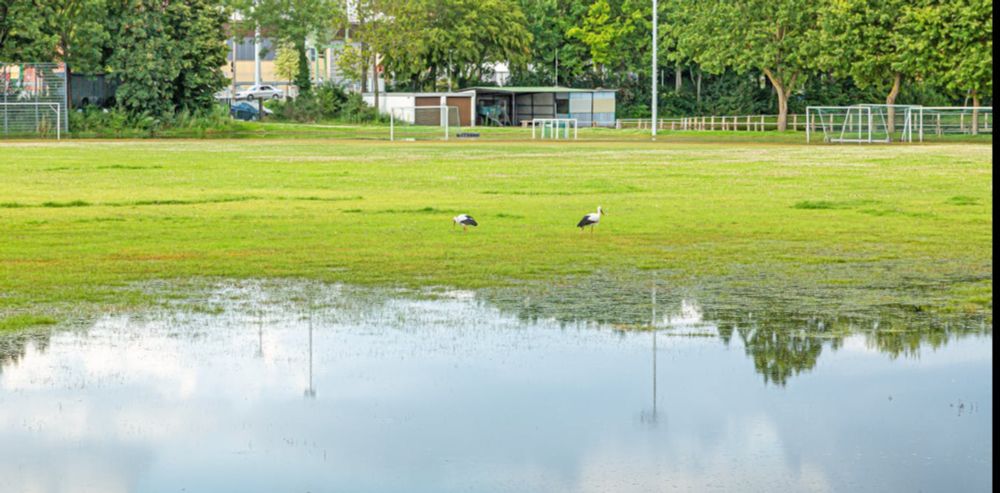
x=296 y=387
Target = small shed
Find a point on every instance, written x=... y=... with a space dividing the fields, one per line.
x=514 y=105
x=463 y=100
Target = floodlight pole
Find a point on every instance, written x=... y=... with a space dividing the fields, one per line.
x=653 y=73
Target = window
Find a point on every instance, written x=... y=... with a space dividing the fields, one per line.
x=562 y=106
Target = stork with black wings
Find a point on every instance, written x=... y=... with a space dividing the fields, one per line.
x=591 y=219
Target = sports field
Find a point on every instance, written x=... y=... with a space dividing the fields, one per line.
x=86 y=225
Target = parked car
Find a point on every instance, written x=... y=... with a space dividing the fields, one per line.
x=262 y=91
x=246 y=111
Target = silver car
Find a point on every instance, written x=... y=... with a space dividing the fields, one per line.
x=263 y=91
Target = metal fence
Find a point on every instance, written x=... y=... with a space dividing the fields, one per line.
x=33 y=100
x=743 y=123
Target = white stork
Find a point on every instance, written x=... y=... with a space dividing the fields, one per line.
x=591 y=219
x=465 y=220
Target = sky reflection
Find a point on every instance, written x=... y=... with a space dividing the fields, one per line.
x=454 y=394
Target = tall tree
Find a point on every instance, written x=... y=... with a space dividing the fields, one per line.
x=871 y=42
x=143 y=57
x=556 y=57
x=286 y=62
x=197 y=28
x=772 y=36
x=80 y=30
x=295 y=22
x=461 y=38
x=23 y=37
x=167 y=56
x=957 y=42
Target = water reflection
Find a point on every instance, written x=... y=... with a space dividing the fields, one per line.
x=782 y=340
x=454 y=393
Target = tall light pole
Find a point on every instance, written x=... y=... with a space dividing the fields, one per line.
x=653 y=74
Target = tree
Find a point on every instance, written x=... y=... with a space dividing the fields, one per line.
x=871 y=42
x=23 y=37
x=549 y=21
x=166 y=55
x=773 y=36
x=286 y=62
x=957 y=43
x=462 y=37
x=618 y=35
x=294 y=21
x=143 y=57
x=197 y=29
x=81 y=35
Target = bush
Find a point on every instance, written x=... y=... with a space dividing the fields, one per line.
x=92 y=121
x=324 y=103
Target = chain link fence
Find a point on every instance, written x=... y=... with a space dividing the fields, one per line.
x=33 y=100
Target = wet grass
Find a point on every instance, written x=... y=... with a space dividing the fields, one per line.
x=18 y=322
x=823 y=226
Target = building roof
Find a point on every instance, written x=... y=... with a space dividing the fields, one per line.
x=465 y=93
x=532 y=89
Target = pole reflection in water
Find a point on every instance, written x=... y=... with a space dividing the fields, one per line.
x=310 y=392
x=651 y=418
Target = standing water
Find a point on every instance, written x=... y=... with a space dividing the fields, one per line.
x=369 y=393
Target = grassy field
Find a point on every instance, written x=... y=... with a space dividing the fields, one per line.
x=83 y=224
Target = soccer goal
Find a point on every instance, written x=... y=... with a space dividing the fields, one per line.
x=861 y=123
x=553 y=128
x=31 y=119
x=424 y=122
x=938 y=121
x=33 y=100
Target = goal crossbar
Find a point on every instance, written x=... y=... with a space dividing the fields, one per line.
x=19 y=117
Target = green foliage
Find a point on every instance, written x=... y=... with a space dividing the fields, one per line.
x=116 y=122
x=956 y=42
x=422 y=41
x=24 y=33
x=327 y=102
x=286 y=61
x=166 y=56
x=196 y=30
x=292 y=22
x=548 y=22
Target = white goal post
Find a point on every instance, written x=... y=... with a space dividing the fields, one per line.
x=552 y=126
x=861 y=123
x=30 y=119
x=423 y=122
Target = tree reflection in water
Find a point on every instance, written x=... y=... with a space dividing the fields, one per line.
x=783 y=337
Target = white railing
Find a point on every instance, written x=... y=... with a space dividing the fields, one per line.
x=743 y=123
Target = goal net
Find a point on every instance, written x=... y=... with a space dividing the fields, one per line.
x=424 y=123
x=861 y=123
x=31 y=120
x=32 y=100
x=553 y=128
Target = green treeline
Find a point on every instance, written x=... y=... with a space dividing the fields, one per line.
x=715 y=57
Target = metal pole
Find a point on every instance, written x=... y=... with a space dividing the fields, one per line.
x=256 y=51
x=807 y=124
x=556 y=84
x=653 y=73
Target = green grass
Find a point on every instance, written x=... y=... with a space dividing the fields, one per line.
x=84 y=223
x=19 y=322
